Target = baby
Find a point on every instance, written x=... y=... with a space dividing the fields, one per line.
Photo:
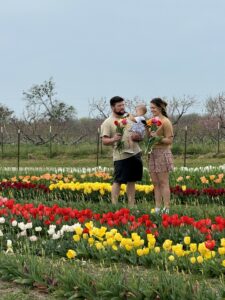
x=137 y=127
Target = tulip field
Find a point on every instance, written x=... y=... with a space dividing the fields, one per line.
x=61 y=236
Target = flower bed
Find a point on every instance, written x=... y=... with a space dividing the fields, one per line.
x=149 y=239
x=96 y=191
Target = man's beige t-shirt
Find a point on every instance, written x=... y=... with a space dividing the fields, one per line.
x=108 y=128
x=165 y=130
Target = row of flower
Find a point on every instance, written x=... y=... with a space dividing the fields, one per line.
x=190 y=179
x=148 y=239
x=146 y=223
x=98 y=190
x=84 y=170
x=101 y=243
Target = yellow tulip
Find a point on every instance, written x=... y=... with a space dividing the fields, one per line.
x=187 y=240
x=85 y=236
x=171 y=258
x=200 y=259
x=128 y=247
x=76 y=238
x=193 y=247
x=71 y=253
x=221 y=250
x=140 y=252
x=91 y=241
x=193 y=260
x=157 y=249
x=79 y=230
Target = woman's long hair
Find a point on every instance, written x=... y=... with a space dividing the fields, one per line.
x=160 y=104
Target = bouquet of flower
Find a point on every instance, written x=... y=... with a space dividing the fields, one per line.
x=153 y=124
x=120 y=126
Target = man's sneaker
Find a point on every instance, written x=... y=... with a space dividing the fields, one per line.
x=165 y=210
x=157 y=210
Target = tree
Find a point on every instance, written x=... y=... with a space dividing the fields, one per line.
x=215 y=107
x=42 y=110
x=100 y=109
x=42 y=104
x=178 y=107
x=5 y=114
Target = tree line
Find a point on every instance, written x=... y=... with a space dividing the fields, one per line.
x=45 y=116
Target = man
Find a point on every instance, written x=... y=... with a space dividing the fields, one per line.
x=128 y=167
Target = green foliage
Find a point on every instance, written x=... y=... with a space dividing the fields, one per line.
x=75 y=280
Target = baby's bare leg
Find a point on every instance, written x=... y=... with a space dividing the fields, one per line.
x=130 y=148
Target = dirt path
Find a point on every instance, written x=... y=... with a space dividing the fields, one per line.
x=11 y=291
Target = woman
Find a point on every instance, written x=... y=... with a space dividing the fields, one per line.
x=161 y=159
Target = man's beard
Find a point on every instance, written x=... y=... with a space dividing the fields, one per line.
x=119 y=113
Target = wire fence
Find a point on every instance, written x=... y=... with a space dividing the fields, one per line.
x=95 y=148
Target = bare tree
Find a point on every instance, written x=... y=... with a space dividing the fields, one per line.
x=5 y=114
x=42 y=110
x=178 y=107
x=215 y=107
x=42 y=104
x=100 y=109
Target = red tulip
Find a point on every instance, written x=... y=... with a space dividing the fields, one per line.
x=210 y=244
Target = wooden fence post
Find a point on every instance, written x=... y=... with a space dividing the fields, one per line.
x=18 y=150
x=185 y=146
x=218 y=137
x=50 y=141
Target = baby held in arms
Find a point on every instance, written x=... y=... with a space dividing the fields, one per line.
x=138 y=126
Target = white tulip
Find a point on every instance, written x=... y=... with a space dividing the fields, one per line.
x=38 y=229
x=33 y=238
x=29 y=225
x=9 y=244
x=14 y=223
x=56 y=236
x=23 y=233
x=2 y=220
x=21 y=225
x=51 y=231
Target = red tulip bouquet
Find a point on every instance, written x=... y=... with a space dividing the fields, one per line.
x=120 y=127
x=153 y=124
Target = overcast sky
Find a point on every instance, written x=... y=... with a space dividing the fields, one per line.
x=103 y=48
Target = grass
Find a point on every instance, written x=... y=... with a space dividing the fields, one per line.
x=85 y=154
x=104 y=161
x=111 y=279
x=91 y=279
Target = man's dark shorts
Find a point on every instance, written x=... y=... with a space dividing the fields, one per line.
x=128 y=170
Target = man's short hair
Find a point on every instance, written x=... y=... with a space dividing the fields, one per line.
x=115 y=100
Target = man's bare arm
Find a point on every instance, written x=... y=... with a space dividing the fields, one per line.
x=108 y=141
